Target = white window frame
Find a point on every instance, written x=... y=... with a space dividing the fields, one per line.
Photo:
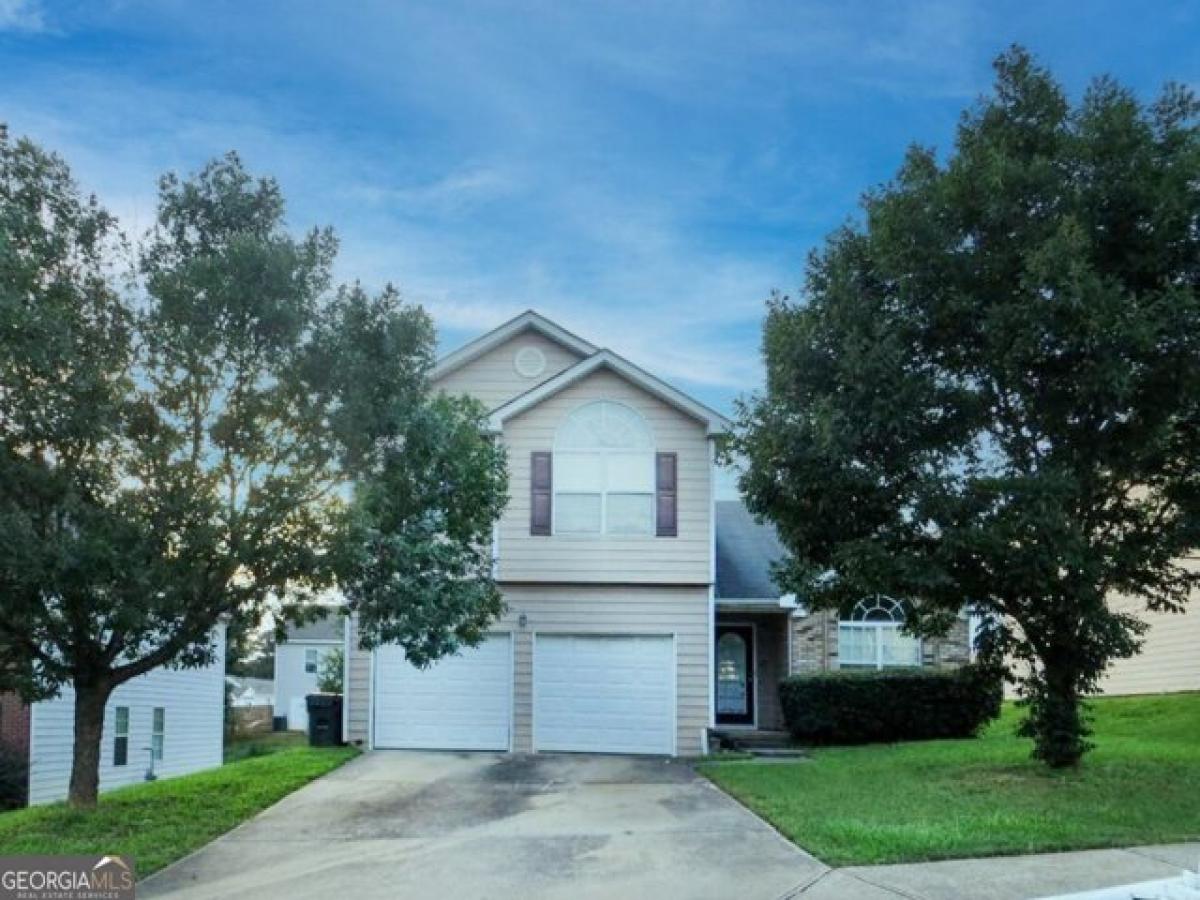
x=158 y=732
x=120 y=734
x=895 y=609
x=602 y=454
x=316 y=661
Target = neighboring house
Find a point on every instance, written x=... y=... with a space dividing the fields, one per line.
x=169 y=721
x=618 y=571
x=298 y=664
x=244 y=691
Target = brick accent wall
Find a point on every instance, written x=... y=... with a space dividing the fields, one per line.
x=14 y=724
x=815 y=644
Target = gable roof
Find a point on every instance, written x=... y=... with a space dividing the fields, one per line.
x=497 y=336
x=746 y=548
x=713 y=420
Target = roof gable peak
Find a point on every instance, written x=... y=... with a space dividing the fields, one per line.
x=529 y=320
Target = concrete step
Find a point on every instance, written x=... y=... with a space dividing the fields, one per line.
x=774 y=743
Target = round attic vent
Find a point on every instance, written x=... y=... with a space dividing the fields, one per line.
x=530 y=362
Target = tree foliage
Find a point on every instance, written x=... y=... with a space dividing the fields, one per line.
x=990 y=393
x=204 y=427
x=330 y=671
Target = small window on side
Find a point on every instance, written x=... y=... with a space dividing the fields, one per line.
x=121 y=736
x=159 y=732
x=310 y=661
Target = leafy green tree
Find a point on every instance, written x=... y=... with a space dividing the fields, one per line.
x=329 y=675
x=203 y=443
x=990 y=393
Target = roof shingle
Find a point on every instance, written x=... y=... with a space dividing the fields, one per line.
x=746 y=549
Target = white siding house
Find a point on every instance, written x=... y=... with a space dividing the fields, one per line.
x=174 y=715
x=297 y=664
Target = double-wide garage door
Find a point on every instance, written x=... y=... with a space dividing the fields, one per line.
x=590 y=693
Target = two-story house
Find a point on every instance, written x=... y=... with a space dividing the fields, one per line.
x=620 y=634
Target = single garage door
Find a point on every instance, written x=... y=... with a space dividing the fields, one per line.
x=604 y=694
x=462 y=702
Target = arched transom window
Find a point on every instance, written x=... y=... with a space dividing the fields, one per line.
x=871 y=636
x=604 y=472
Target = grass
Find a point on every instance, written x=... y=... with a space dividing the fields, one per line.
x=263 y=744
x=158 y=822
x=944 y=799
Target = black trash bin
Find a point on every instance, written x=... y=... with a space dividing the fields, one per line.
x=324 y=720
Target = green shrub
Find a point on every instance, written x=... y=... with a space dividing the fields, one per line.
x=897 y=705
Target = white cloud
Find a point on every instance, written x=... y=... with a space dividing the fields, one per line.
x=21 y=15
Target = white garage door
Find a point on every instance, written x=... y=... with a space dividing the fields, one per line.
x=604 y=694
x=461 y=702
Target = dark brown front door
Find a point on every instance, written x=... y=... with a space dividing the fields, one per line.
x=735 y=675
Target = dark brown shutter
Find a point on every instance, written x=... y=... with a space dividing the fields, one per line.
x=666 y=495
x=540 y=485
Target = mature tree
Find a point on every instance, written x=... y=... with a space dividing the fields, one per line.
x=192 y=448
x=990 y=393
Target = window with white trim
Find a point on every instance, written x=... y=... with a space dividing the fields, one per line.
x=121 y=736
x=604 y=472
x=158 y=734
x=871 y=637
x=311 y=658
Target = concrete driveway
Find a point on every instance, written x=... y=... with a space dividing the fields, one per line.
x=451 y=825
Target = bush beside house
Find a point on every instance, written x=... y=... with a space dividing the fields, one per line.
x=900 y=705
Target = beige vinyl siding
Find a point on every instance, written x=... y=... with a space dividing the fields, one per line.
x=615 y=610
x=640 y=559
x=358 y=689
x=1170 y=657
x=493 y=379
x=574 y=609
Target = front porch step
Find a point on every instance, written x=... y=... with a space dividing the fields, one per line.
x=776 y=744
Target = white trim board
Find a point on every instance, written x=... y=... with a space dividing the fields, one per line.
x=497 y=336
x=715 y=422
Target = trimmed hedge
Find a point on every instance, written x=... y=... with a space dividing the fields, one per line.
x=896 y=705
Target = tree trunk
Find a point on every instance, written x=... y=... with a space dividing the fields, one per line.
x=1059 y=730
x=90 y=700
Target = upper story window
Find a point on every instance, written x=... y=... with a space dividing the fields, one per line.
x=604 y=472
x=311 y=658
x=872 y=637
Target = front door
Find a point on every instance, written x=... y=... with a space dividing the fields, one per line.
x=735 y=675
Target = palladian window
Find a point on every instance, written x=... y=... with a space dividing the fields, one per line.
x=604 y=472
x=871 y=637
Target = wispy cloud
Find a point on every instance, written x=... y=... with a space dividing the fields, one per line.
x=21 y=15
x=644 y=172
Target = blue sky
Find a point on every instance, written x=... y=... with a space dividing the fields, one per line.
x=644 y=173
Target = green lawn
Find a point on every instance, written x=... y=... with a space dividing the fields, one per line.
x=941 y=799
x=263 y=744
x=159 y=822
